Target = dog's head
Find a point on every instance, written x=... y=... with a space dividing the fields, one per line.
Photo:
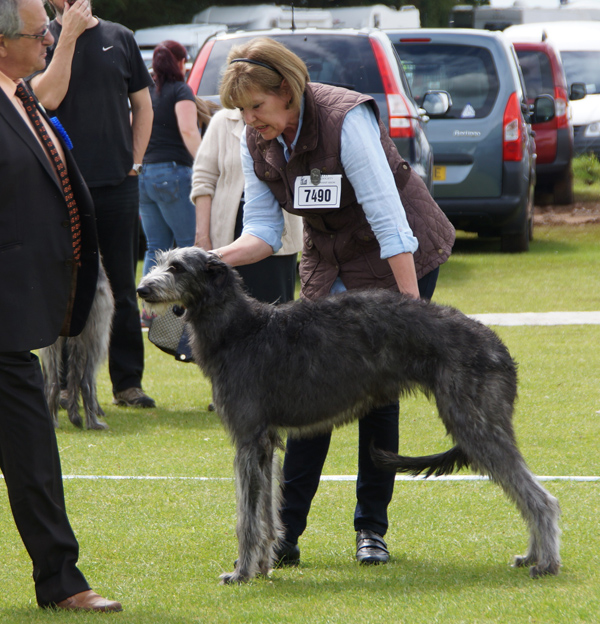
x=183 y=278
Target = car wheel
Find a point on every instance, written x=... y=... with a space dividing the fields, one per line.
x=515 y=242
x=516 y=238
x=563 y=188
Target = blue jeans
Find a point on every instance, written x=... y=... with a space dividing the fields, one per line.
x=168 y=215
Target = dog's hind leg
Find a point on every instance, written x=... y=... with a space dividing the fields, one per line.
x=91 y=359
x=96 y=337
x=489 y=444
x=541 y=512
x=76 y=358
x=486 y=444
x=253 y=467
x=90 y=398
x=51 y=358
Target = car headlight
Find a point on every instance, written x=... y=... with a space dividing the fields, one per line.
x=593 y=130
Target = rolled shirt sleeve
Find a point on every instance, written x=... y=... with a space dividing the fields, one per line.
x=263 y=216
x=368 y=170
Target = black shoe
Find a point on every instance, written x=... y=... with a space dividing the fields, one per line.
x=371 y=548
x=133 y=397
x=286 y=554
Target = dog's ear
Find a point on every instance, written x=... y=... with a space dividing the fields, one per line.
x=218 y=272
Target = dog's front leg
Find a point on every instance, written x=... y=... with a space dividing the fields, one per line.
x=251 y=486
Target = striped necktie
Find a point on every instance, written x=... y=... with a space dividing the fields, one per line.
x=61 y=170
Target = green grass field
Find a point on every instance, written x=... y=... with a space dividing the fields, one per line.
x=586 y=172
x=159 y=545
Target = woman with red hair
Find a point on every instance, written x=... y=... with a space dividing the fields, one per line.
x=168 y=215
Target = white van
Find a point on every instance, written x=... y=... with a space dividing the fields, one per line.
x=263 y=16
x=190 y=36
x=579 y=47
x=376 y=16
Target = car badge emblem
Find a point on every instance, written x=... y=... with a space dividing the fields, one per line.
x=315 y=176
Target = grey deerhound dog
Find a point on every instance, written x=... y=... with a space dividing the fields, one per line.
x=85 y=354
x=306 y=367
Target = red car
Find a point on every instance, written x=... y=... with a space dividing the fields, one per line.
x=543 y=74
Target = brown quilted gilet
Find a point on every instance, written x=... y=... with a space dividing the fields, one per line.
x=340 y=242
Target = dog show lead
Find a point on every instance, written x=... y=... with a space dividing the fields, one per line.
x=323 y=153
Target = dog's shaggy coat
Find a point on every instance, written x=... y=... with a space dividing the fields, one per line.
x=306 y=367
x=84 y=354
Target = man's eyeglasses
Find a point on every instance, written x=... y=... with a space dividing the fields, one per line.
x=40 y=36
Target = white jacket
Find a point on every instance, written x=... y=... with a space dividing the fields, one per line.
x=218 y=173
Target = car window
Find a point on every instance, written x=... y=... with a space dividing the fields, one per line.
x=537 y=72
x=338 y=60
x=583 y=66
x=468 y=73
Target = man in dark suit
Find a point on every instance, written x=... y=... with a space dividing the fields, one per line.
x=48 y=273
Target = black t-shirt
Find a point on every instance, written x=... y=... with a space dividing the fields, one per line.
x=166 y=144
x=107 y=66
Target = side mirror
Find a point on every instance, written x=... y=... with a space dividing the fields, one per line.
x=436 y=103
x=543 y=109
x=578 y=91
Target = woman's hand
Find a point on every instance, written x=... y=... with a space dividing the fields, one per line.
x=403 y=267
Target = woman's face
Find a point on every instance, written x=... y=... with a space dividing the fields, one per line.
x=268 y=114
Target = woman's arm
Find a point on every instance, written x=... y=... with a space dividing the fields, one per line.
x=203 y=207
x=187 y=122
x=368 y=170
x=403 y=268
x=247 y=249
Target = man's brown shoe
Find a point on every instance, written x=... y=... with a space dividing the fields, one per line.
x=88 y=601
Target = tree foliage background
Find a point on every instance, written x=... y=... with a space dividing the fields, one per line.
x=144 y=13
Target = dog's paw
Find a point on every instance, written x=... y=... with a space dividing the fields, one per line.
x=538 y=570
x=75 y=418
x=98 y=425
x=231 y=578
x=523 y=561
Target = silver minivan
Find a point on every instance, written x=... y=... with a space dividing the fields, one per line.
x=480 y=132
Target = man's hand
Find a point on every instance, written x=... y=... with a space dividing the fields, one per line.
x=52 y=85
x=75 y=18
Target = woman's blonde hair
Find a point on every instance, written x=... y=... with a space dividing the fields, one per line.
x=241 y=76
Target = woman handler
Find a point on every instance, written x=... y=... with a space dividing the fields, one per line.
x=321 y=152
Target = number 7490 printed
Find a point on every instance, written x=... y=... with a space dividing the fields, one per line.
x=326 y=194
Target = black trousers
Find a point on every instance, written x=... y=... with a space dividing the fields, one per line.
x=118 y=223
x=31 y=466
x=304 y=459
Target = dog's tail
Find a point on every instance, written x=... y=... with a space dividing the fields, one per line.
x=437 y=465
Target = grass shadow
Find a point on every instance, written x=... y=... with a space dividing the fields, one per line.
x=470 y=244
x=400 y=574
x=127 y=421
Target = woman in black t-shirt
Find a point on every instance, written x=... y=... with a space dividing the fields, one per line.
x=168 y=215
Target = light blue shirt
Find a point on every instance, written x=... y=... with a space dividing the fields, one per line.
x=367 y=169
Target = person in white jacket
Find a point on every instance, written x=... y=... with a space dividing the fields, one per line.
x=217 y=192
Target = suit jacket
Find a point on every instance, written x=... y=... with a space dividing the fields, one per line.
x=36 y=254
